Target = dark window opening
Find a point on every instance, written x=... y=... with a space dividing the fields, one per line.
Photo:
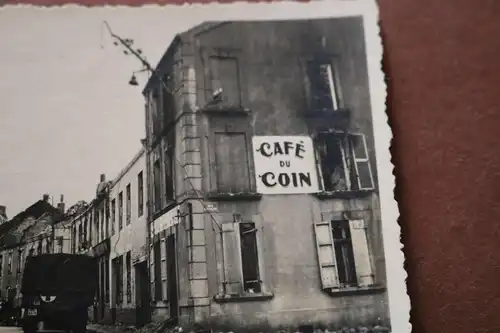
x=250 y=258
x=324 y=92
x=120 y=211
x=344 y=162
x=344 y=253
x=129 y=204
x=155 y=117
x=169 y=174
x=129 y=277
x=157 y=185
x=157 y=270
x=113 y=216
x=118 y=268
x=168 y=103
x=140 y=194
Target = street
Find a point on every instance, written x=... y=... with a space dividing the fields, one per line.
x=10 y=329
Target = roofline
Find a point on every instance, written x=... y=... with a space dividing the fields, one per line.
x=127 y=167
x=168 y=53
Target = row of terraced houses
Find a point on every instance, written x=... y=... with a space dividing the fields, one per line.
x=254 y=201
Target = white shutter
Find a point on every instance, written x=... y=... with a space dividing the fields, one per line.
x=362 y=260
x=365 y=179
x=326 y=255
x=232 y=258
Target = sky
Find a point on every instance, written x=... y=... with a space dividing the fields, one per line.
x=67 y=113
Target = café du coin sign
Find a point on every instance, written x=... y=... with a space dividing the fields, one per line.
x=285 y=164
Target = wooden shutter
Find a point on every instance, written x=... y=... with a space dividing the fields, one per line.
x=362 y=260
x=326 y=255
x=231 y=157
x=232 y=258
x=361 y=161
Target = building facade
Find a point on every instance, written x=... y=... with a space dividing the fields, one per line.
x=113 y=230
x=263 y=185
x=37 y=230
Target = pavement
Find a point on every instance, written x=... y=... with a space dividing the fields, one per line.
x=10 y=329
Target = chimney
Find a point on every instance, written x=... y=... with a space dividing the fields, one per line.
x=46 y=197
x=103 y=178
x=61 y=205
x=3 y=211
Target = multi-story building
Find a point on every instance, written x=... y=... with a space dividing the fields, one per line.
x=263 y=185
x=113 y=229
x=38 y=229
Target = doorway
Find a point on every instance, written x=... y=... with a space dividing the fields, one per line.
x=172 y=287
x=143 y=312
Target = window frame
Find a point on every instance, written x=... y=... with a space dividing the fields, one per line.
x=234 y=227
x=140 y=193
x=349 y=161
x=228 y=125
x=335 y=285
x=120 y=211
x=128 y=191
x=332 y=63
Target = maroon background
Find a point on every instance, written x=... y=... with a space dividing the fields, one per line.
x=442 y=60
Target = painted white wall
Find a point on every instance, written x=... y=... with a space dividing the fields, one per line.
x=132 y=237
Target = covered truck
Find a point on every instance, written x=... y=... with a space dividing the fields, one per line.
x=57 y=290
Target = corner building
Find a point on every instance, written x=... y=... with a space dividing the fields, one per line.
x=263 y=184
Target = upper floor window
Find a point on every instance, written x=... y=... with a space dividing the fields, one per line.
x=140 y=194
x=120 y=211
x=157 y=185
x=344 y=162
x=323 y=87
x=9 y=263
x=154 y=106
x=168 y=101
x=169 y=162
x=113 y=216
x=231 y=162
x=129 y=203
x=225 y=79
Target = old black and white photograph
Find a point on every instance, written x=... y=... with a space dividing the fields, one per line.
x=203 y=168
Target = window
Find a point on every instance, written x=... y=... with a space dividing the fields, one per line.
x=129 y=277
x=80 y=236
x=241 y=258
x=1 y=265
x=85 y=229
x=102 y=217
x=324 y=90
x=120 y=211
x=129 y=206
x=19 y=260
x=113 y=216
x=225 y=76
x=59 y=244
x=344 y=259
x=168 y=104
x=344 y=163
x=155 y=117
x=163 y=250
x=231 y=162
x=97 y=226
x=140 y=194
x=169 y=173
x=118 y=270
x=105 y=212
x=157 y=270
x=9 y=263
x=157 y=185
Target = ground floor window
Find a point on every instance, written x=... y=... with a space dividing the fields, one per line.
x=240 y=245
x=344 y=256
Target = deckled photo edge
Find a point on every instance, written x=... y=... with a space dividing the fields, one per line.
x=394 y=258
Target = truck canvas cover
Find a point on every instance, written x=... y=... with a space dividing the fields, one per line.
x=62 y=275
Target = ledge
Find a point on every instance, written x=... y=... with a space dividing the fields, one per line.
x=162 y=211
x=346 y=291
x=225 y=298
x=343 y=194
x=339 y=114
x=228 y=110
x=238 y=196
